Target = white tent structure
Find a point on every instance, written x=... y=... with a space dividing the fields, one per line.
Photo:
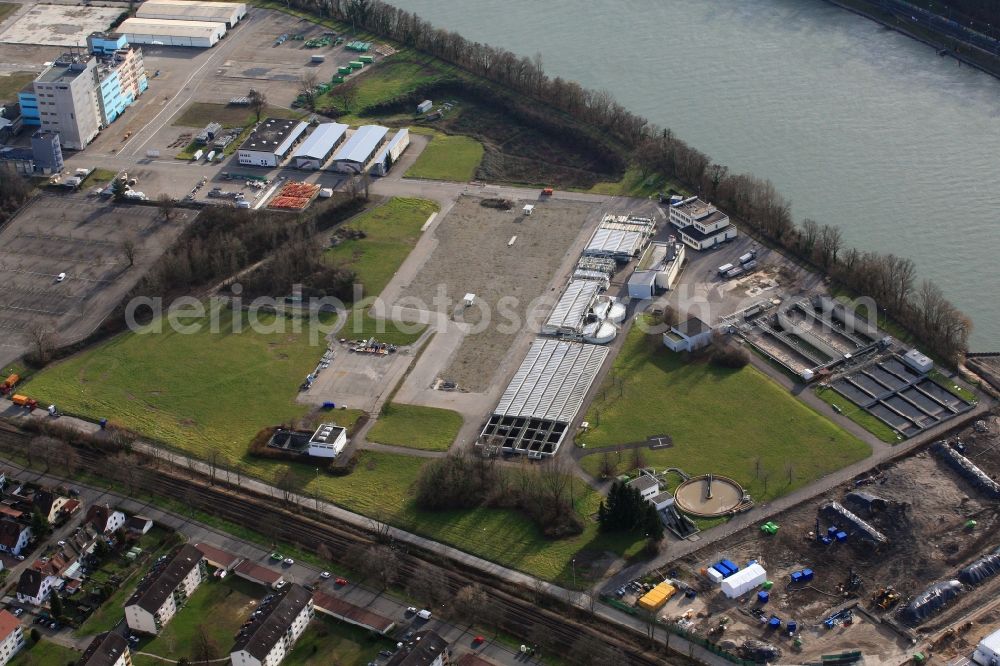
x=743 y=581
x=988 y=651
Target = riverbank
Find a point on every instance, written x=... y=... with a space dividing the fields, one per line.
x=981 y=61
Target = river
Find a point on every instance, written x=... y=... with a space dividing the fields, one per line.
x=857 y=125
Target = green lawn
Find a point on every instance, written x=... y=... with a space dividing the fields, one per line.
x=327 y=641
x=220 y=606
x=860 y=416
x=392 y=230
x=378 y=83
x=721 y=421
x=952 y=386
x=416 y=427
x=361 y=326
x=448 y=157
x=198 y=392
x=44 y=653
x=13 y=83
x=635 y=183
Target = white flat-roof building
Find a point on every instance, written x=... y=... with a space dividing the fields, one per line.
x=270 y=142
x=354 y=155
x=328 y=441
x=229 y=13
x=657 y=270
x=701 y=225
x=544 y=396
x=390 y=152
x=319 y=146
x=167 y=32
x=688 y=335
x=918 y=361
x=988 y=651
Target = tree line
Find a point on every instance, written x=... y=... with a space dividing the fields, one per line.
x=888 y=279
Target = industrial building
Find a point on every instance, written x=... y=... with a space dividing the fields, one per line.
x=46 y=150
x=988 y=651
x=228 y=13
x=354 y=155
x=164 y=590
x=328 y=441
x=700 y=224
x=275 y=626
x=620 y=237
x=319 y=146
x=688 y=335
x=270 y=142
x=80 y=93
x=656 y=271
x=598 y=269
x=544 y=396
x=167 y=32
x=391 y=152
x=582 y=313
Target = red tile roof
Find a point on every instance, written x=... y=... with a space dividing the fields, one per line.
x=350 y=612
x=256 y=573
x=216 y=556
x=8 y=623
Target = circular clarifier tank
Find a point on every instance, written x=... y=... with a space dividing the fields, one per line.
x=708 y=496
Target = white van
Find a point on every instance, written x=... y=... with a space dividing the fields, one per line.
x=424 y=614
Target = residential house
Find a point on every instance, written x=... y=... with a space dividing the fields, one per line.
x=164 y=590
x=33 y=587
x=49 y=504
x=11 y=636
x=44 y=575
x=138 y=525
x=107 y=649
x=426 y=649
x=104 y=519
x=688 y=335
x=273 y=632
x=14 y=536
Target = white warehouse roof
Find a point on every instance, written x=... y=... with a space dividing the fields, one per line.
x=393 y=142
x=361 y=144
x=188 y=10
x=552 y=381
x=167 y=27
x=614 y=242
x=323 y=138
x=572 y=307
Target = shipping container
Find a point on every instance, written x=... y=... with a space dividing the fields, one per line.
x=356 y=64
x=749 y=256
x=344 y=70
x=725 y=268
x=367 y=59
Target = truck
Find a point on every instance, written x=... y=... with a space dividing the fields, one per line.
x=547 y=192
x=725 y=268
x=8 y=384
x=211 y=156
x=197 y=155
x=24 y=401
x=748 y=257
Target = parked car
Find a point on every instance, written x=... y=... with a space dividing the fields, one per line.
x=310 y=587
x=289 y=561
x=60 y=543
x=424 y=614
x=276 y=557
x=325 y=575
x=60 y=277
x=280 y=584
x=18 y=612
x=411 y=610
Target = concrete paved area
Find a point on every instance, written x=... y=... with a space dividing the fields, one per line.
x=55 y=25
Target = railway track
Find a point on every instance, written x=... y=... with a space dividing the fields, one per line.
x=564 y=624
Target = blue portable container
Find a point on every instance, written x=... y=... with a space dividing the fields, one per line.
x=826 y=540
x=329 y=405
x=732 y=565
x=796 y=576
x=792 y=626
x=831 y=530
x=774 y=622
x=724 y=569
x=807 y=574
x=841 y=536
x=763 y=596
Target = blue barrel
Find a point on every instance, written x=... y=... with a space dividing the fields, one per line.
x=103 y=423
x=763 y=596
x=774 y=622
x=690 y=593
x=792 y=626
x=329 y=405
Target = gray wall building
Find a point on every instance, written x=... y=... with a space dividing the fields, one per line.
x=47 y=151
x=67 y=101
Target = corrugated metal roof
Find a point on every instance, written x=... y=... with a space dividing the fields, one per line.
x=393 y=142
x=614 y=242
x=189 y=10
x=361 y=144
x=323 y=138
x=572 y=307
x=552 y=381
x=142 y=26
x=291 y=138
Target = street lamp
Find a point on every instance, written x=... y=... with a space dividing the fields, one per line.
x=573 y=562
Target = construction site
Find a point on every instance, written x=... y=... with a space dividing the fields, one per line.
x=901 y=561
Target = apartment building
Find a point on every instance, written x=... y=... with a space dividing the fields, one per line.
x=11 y=636
x=107 y=649
x=164 y=590
x=266 y=638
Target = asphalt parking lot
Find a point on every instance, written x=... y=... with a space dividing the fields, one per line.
x=82 y=238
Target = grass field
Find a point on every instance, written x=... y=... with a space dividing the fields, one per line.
x=379 y=83
x=448 y=157
x=416 y=427
x=13 y=83
x=635 y=183
x=44 y=653
x=218 y=606
x=721 y=421
x=199 y=114
x=327 y=641
x=195 y=392
x=392 y=230
x=858 y=415
x=361 y=325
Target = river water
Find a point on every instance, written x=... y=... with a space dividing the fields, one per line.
x=857 y=125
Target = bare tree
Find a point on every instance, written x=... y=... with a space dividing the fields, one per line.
x=471 y=604
x=308 y=80
x=42 y=341
x=258 y=102
x=286 y=483
x=213 y=465
x=607 y=467
x=346 y=96
x=377 y=562
x=205 y=647
x=167 y=205
x=323 y=552
x=428 y=584
x=129 y=251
